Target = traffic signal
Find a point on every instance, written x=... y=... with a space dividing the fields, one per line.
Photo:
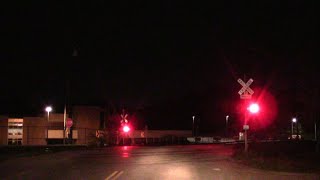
x=254 y=108
x=126 y=128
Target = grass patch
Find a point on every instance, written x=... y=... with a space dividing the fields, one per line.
x=280 y=156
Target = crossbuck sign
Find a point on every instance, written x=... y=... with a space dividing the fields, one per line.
x=245 y=92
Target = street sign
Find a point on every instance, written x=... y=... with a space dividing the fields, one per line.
x=245 y=127
x=69 y=123
x=245 y=92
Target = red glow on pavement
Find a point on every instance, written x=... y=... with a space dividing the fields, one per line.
x=125 y=151
x=125 y=155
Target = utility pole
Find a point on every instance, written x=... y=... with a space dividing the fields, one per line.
x=64 y=124
x=291 y=129
x=315 y=131
x=227 y=118
x=193 y=125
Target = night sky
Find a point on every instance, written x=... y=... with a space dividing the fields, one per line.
x=165 y=60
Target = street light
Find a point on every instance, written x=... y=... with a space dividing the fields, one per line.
x=193 y=125
x=294 y=120
x=48 y=109
x=227 y=117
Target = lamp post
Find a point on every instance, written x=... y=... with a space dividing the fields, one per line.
x=227 y=117
x=315 y=131
x=193 y=125
x=294 y=120
x=48 y=109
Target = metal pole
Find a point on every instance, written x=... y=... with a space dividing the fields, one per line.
x=193 y=126
x=315 y=131
x=245 y=131
x=291 y=130
x=64 y=124
x=48 y=126
x=245 y=141
x=297 y=130
x=227 y=125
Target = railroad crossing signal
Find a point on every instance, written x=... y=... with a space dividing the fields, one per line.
x=245 y=92
x=124 y=118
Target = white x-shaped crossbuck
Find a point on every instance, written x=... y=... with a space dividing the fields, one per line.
x=245 y=87
x=124 y=118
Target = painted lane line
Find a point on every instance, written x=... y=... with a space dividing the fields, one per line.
x=118 y=175
x=111 y=175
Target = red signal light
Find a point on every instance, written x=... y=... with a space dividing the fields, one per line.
x=126 y=129
x=254 y=108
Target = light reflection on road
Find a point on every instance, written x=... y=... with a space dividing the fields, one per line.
x=125 y=151
x=179 y=172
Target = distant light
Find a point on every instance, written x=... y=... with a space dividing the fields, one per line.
x=126 y=129
x=294 y=120
x=48 y=109
x=253 y=108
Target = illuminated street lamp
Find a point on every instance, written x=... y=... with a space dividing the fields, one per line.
x=227 y=117
x=193 y=125
x=48 y=109
x=294 y=120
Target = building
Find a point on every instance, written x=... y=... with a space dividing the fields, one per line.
x=86 y=121
x=46 y=129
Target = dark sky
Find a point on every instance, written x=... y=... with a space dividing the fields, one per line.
x=174 y=59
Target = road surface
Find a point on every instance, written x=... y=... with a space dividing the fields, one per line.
x=139 y=162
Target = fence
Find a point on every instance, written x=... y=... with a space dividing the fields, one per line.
x=151 y=137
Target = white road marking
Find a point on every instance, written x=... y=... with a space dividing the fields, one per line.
x=118 y=175
x=217 y=169
x=111 y=175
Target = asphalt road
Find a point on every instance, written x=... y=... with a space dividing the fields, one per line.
x=138 y=162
